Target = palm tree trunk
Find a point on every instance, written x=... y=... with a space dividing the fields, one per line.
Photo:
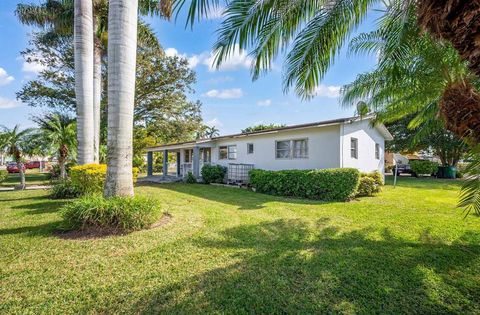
x=122 y=49
x=97 y=89
x=63 y=173
x=22 y=175
x=83 y=49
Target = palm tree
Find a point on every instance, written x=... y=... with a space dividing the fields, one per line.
x=57 y=130
x=83 y=52
x=15 y=143
x=122 y=49
x=58 y=16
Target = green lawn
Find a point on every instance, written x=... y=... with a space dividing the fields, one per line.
x=32 y=177
x=227 y=250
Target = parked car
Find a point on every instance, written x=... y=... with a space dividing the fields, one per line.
x=32 y=164
x=403 y=169
x=13 y=168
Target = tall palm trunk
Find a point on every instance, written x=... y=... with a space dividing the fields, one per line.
x=122 y=49
x=83 y=45
x=21 y=171
x=97 y=89
x=62 y=158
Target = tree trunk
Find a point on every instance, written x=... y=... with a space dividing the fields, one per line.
x=122 y=48
x=63 y=172
x=83 y=46
x=22 y=175
x=97 y=89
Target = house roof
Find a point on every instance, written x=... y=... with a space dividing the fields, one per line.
x=179 y=145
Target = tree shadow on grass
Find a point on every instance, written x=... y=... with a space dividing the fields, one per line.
x=49 y=206
x=241 y=198
x=286 y=266
x=46 y=229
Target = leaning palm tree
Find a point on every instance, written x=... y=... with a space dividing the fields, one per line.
x=57 y=132
x=15 y=143
x=122 y=49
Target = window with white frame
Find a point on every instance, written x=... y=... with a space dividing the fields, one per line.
x=249 y=148
x=291 y=149
x=377 y=151
x=227 y=152
x=354 y=148
x=232 y=152
x=188 y=156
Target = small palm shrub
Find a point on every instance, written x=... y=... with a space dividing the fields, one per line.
x=3 y=176
x=326 y=184
x=90 y=178
x=117 y=214
x=213 y=174
x=366 y=187
x=64 y=189
x=190 y=178
x=423 y=167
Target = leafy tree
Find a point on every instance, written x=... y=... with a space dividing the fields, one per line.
x=57 y=134
x=16 y=143
x=261 y=127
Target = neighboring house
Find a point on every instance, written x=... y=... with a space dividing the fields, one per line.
x=346 y=142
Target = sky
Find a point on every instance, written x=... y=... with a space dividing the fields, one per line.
x=231 y=101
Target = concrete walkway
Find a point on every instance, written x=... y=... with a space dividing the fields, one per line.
x=159 y=179
x=28 y=187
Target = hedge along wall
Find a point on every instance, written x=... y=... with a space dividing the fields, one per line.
x=90 y=178
x=326 y=184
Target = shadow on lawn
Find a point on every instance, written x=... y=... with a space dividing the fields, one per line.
x=241 y=198
x=48 y=206
x=283 y=268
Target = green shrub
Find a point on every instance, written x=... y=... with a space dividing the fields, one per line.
x=120 y=214
x=3 y=175
x=366 y=187
x=190 y=178
x=326 y=184
x=213 y=174
x=90 y=178
x=423 y=167
x=54 y=172
x=64 y=189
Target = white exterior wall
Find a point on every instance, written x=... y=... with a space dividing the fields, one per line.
x=323 y=149
x=367 y=137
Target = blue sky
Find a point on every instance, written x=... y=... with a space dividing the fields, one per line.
x=231 y=101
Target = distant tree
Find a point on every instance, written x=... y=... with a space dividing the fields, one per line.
x=16 y=143
x=427 y=137
x=261 y=127
x=208 y=132
x=57 y=134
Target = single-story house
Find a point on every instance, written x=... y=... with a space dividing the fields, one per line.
x=345 y=142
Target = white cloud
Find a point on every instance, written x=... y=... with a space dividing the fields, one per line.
x=5 y=78
x=266 y=102
x=8 y=103
x=171 y=52
x=331 y=91
x=193 y=60
x=215 y=122
x=31 y=66
x=237 y=60
x=224 y=94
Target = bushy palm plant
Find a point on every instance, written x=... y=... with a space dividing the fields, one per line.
x=57 y=133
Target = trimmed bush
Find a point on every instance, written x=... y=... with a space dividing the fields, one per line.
x=65 y=189
x=118 y=214
x=366 y=187
x=213 y=174
x=326 y=184
x=90 y=178
x=190 y=178
x=421 y=167
x=3 y=176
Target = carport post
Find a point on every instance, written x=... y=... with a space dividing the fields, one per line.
x=149 y=163
x=165 y=162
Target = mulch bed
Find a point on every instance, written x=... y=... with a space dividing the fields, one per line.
x=92 y=233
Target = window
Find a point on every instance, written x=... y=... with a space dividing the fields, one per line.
x=377 y=151
x=228 y=152
x=249 y=148
x=188 y=156
x=223 y=153
x=288 y=149
x=354 y=148
x=232 y=152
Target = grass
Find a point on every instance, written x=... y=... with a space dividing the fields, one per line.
x=32 y=177
x=227 y=250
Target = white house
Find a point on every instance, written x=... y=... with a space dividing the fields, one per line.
x=346 y=142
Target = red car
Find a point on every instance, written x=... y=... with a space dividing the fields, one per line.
x=32 y=164
x=13 y=168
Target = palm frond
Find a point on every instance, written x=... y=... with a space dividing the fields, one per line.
x=470 y=192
